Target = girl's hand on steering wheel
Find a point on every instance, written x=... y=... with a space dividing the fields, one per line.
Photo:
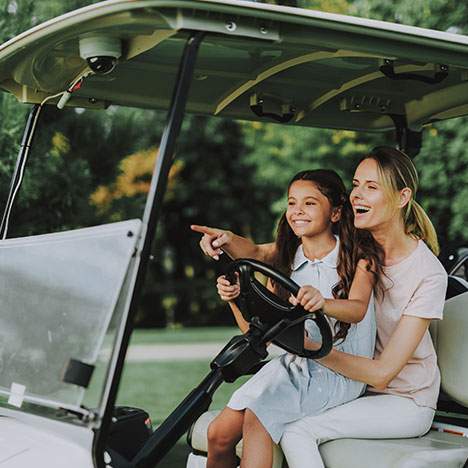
x=227 y=291
x=213 y=239
x=309 y=298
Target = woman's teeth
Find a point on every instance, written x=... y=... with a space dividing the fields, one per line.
x=361 y=209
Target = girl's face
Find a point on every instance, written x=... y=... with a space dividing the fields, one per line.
x=309 y=211
x=371 y=206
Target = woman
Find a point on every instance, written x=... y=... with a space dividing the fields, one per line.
x=403 y=377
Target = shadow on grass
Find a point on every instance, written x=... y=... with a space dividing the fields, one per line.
x=177 y=457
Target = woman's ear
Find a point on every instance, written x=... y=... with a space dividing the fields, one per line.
x=336 y=214
x=405 y=196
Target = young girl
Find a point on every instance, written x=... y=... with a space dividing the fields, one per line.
x=402 y=376
x=289 y=387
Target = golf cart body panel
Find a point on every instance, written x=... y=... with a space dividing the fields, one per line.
x=31 y=439
x=307 y=67
x=255 y=62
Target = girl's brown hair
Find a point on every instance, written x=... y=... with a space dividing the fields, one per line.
x=397 y=171
x=354 y=244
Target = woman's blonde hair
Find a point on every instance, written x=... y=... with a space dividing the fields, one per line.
x=397 y=171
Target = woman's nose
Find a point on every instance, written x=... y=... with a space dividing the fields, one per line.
x=355 y=194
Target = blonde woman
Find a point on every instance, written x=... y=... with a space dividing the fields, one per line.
x=403 y=378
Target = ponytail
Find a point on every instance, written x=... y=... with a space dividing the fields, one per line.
x=418 y=224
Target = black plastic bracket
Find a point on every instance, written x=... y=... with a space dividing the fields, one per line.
x=78 y=373
x=389 y=71
x=257 y=107
x=408 y=141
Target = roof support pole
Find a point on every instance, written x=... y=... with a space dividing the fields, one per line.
x=17 y=177
x=150 y=219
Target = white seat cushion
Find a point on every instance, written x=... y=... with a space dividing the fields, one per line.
x=435 y=449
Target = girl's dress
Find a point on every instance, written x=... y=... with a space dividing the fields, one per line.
x=290 y=387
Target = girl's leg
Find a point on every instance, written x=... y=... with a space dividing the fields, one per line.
x=257 y=448
x=372 y=417
x=224 y=433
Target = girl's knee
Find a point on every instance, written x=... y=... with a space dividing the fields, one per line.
x=220 y=437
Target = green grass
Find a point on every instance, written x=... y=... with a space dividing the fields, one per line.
x=183 y=335
x=160 y=386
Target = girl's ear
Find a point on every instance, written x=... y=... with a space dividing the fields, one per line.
x=405 y=196
x=336 y=214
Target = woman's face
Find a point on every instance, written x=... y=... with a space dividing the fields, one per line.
x=309 y=211
x=372 y=207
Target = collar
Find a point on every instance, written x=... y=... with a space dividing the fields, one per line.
x=330 y=259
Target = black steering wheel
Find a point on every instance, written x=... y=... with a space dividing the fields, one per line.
x=263 y=308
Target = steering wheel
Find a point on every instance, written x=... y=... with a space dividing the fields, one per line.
x=265 y=309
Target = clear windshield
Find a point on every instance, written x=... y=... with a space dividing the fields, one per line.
x=58 y=294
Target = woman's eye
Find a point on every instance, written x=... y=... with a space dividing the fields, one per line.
x=372 y=187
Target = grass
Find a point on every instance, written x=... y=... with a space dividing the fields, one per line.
x=158 y=387
x=184 y=335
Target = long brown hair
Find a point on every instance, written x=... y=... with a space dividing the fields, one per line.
x=354 y=244
x=397 y=171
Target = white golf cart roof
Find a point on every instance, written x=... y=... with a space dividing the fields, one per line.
x=315 y=68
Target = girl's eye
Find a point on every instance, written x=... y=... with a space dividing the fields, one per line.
x=372 y=187
x=310 y=203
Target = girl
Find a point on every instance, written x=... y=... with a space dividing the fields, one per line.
x=403 y=377
x=289 y=387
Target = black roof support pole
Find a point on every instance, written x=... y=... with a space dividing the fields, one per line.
x=21 y=160
x=150 y=218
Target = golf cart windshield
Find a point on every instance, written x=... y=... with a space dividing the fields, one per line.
x=59 y=293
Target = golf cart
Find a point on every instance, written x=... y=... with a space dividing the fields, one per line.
x=69 y=298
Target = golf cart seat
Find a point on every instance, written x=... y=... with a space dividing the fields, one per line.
x=438 y=449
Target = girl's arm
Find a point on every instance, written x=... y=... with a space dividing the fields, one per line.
x=215 y=241
x=351 y=310
x=228 y=292
x=380 y=372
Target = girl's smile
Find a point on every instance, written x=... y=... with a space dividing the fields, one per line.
x=309 y=211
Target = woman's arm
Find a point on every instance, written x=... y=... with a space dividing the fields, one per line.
x=351 y=310
x=380 y=372
x=215 y=241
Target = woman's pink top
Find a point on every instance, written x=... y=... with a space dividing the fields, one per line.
x=415 y=286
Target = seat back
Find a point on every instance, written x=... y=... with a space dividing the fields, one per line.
x=449 y=336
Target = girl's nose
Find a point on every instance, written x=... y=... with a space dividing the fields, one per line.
x=299 y=209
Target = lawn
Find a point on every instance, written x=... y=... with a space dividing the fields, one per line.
x=183 y=335
x=158 y=386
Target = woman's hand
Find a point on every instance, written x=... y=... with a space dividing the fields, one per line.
x=213 y=240
x=227 y=291
x=309 y=298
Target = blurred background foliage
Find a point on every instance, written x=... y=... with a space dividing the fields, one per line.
x=91 y=167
